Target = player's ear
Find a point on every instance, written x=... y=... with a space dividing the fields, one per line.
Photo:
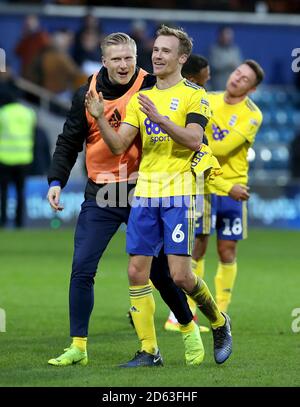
x=103 y=61
x=183 y=58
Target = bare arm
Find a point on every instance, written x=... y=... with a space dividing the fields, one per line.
x=189 y=136
x=118 y=142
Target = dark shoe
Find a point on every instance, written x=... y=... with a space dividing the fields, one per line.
x=142 y=359
x=222 y=341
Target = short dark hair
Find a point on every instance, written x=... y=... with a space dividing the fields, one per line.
x=257 y=69
x=194 y=64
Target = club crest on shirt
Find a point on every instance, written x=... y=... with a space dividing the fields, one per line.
x=254 y=122
x=233 y=120
x=174 y=104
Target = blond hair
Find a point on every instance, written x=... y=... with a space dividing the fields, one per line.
x=185 y=42
x=117 y=39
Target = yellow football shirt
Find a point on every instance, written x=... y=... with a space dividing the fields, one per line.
x=165 y=168
x=231 y=131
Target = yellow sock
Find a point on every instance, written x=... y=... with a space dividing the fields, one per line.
x=224 y=282
x=206 y=303
x=185 y=329
x=80 y=343
x=198 y=267
x=192 y=305
x=142 y=311
x=151 y=284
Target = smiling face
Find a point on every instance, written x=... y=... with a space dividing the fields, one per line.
x=165 y=56
x=242 y=81
x=120 y=62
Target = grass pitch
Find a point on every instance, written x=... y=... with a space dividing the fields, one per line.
x=34 y=278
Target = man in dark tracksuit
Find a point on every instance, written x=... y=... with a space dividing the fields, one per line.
x=118 y=80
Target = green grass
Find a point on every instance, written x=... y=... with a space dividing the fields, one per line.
x=34 y=279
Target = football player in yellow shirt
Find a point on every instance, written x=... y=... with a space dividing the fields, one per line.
x=231 y=132
x=196 y=70
x=171 y=117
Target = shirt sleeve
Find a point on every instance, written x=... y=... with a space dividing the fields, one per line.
x=250 y=127
x=131 y=115
x=198 y=110
x=222 y=184
x=228 y=144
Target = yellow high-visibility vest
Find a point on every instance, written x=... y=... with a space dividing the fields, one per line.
x=17 y=128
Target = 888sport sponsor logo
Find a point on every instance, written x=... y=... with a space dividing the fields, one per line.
x=153 y=129
x=218 y=133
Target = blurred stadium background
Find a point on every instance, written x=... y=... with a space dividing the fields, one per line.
x=268 y=31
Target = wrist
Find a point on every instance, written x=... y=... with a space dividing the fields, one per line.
x=100 y=117
x=55 y=183
x=162 y=120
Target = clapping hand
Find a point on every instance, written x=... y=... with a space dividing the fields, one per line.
x=149 y=108
x=94 y=104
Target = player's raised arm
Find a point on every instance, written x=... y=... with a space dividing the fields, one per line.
x=119 y=141
x=189 y=136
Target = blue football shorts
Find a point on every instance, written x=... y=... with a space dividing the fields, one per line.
x=232 y=219
x=157 y=222
x=225 y=215
x=206 y=217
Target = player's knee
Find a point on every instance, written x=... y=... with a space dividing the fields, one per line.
x=180 y=280
x=81 y=281
x=82 y=268
x=227 y=254
x=200 y=246
x=197 y=255
x=227 y=250
x=134 y=271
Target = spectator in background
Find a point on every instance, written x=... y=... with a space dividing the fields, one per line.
x=87 y=56
x=41 y=150
x=55 y=70
x=17 y=126
x=7 y=85
x=32 y=42
x=143 y=42
x=86 y=45
x=224 y=57
x=41 y=153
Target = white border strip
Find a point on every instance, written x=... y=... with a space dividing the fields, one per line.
x=155 y=14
